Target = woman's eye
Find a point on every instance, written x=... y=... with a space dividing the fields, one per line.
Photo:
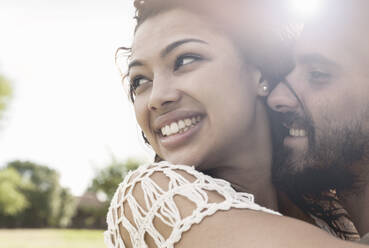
x=185 y=60
x=138 y=82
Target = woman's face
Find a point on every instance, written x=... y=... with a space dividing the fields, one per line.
x=195 y=97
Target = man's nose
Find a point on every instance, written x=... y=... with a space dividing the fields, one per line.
x=163 y=94
x=283 y=99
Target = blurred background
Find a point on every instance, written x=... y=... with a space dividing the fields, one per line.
x=67 y=130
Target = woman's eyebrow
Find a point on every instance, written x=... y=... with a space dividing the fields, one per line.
x=178 y=43
x=167 y=50
x=134 y=63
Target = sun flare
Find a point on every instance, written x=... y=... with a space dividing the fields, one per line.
x=305 y=8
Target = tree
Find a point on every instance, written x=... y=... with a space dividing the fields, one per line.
x=50 y=205
x=94 y=204
x=5 y=93
x=43 y=197
x=67 y=208
x=12 y=200
x=107 y=179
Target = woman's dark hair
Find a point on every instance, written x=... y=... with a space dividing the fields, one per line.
x=148 y=8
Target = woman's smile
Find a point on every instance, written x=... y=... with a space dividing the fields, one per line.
x=179 y=126
x=177 y=133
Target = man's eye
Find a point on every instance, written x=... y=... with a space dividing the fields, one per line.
x=138 y=82
x=185 y=60
x=319 y=76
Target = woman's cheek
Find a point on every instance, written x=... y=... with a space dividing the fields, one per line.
x=142 y=116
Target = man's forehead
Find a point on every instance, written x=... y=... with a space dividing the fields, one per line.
x=313 y=48
x=345 y=22
x=337 y=41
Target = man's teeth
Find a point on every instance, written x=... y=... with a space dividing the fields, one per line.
x=297 y=132
x=180 y=126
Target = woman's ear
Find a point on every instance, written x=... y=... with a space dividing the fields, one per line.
x=263 y=87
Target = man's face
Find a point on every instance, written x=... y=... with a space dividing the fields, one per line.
x=324 y=109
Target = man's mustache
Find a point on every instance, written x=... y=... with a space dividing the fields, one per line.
x=292 y=119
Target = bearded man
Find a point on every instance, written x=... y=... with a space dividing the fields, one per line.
x=323 y=108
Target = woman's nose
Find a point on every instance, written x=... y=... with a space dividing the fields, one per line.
x=282 y=99
x=162 y=95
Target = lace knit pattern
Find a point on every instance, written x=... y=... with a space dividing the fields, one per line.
x=160 y=203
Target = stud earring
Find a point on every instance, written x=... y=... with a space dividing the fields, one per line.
x=263 y=89
x=139 y=3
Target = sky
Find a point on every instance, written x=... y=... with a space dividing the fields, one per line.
x=69 y=110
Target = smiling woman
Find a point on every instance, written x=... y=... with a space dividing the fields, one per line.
x=178 y=78
x=199 y=100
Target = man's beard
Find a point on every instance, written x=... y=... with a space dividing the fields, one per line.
x=328 y=161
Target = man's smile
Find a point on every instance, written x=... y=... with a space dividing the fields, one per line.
x=297 y=132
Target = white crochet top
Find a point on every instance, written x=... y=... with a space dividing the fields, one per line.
x=159 y=202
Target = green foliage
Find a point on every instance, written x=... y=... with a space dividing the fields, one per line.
x=49 y=205
x=67 y=208
x=5 y=93
x=43 y=197
x=12 y=200
x=105 y=183
x=107 y=179
x=31 y=196
x=91 y=217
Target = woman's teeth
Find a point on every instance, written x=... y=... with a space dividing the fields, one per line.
x=297 y=132
x=180 y=126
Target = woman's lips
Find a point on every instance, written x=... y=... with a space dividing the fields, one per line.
x=180 y=133
x=179 y=126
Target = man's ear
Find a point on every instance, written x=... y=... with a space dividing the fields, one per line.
x=263 y=87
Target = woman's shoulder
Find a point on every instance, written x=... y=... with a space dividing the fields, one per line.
x=154 y=183
x=159 y=201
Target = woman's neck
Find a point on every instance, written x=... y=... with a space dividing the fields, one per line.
x=249 y=168
x=250 y=180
